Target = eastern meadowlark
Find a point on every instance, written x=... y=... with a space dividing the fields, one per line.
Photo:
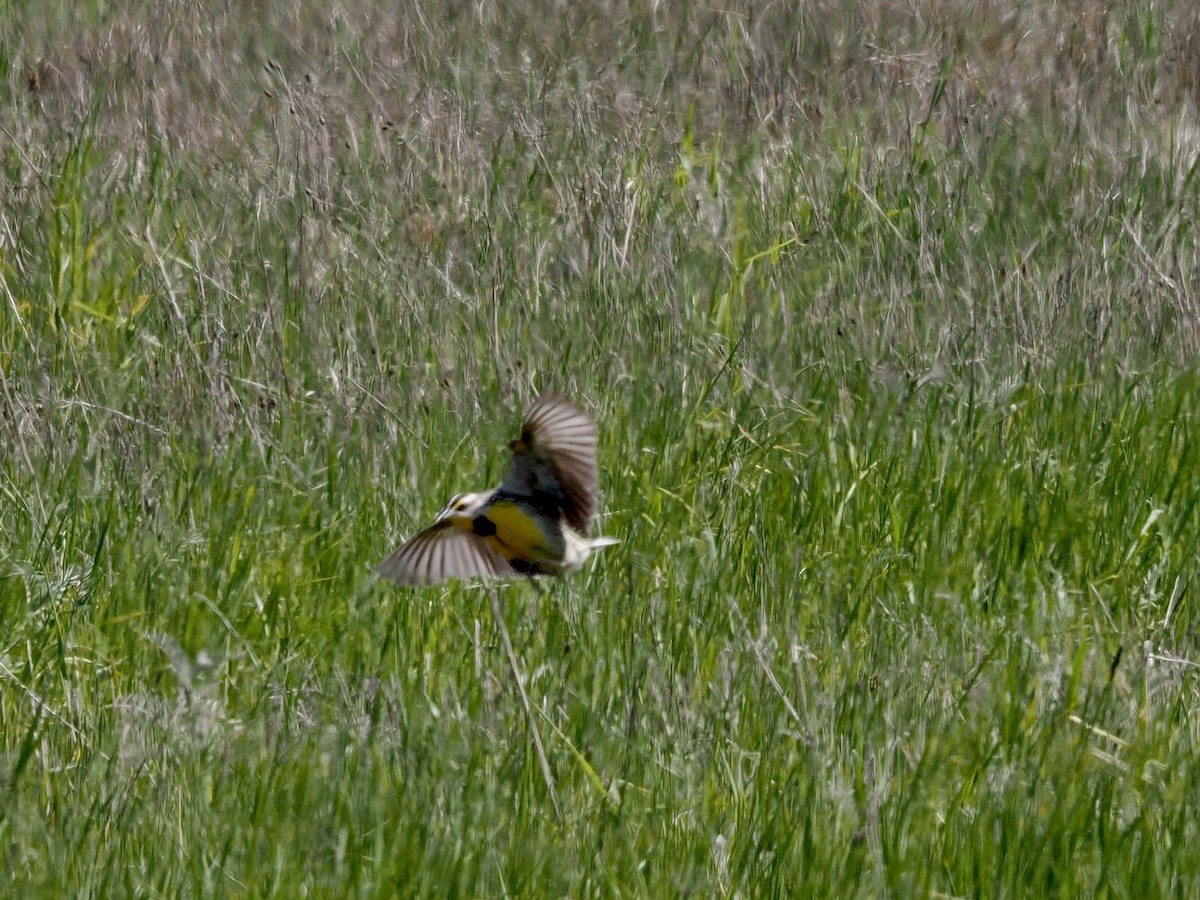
x=535 y=523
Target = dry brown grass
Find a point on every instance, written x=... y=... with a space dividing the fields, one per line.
x=444 y=85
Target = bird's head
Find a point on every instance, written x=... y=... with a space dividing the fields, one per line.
x=462 y=509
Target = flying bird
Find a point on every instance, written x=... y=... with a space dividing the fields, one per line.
x=535 y=523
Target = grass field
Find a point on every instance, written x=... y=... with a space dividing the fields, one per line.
x=888 y=315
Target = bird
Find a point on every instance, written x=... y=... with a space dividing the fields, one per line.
x=535 y=523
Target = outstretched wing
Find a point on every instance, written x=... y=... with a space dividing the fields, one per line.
x=554 y=461
x=443 y=551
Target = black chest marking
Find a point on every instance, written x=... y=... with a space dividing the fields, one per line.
x=483 y=526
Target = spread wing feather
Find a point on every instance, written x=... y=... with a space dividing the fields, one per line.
x=554 y=461
x=441 y=552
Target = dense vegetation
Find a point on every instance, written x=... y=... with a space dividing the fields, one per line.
x=888 y=315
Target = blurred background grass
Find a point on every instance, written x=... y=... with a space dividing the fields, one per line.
x=887 y=314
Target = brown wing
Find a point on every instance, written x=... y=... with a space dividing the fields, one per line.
x=443 y=551
x=554 y=461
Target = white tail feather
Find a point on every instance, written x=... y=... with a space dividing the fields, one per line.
x=578 y=548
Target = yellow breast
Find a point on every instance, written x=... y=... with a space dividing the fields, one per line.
x=517 y=533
